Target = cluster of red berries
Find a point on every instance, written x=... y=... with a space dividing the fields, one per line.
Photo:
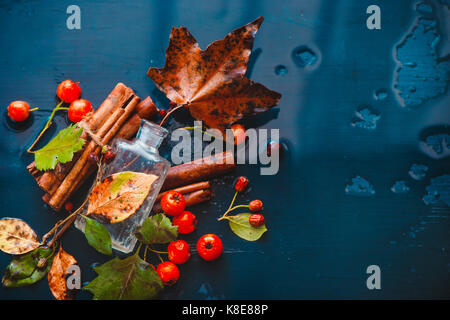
x=209 y=246
x=256 y=219
x=68 y=91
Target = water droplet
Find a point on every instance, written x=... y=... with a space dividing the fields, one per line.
x=400 y=187
x=418 y=171
x=359 y=187
x=438 y=192
x=436 y=146
x=366 y=118
x=424 y=8
x=417 y=55
x=304 y=56
x=281 y=70
x=410 y=64
x=380 y=94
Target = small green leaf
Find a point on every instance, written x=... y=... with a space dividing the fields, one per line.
x=61 y=148
x=98 y=236
x=28 y=268
x=241 y=227
x=157 y=229
x=129 y=279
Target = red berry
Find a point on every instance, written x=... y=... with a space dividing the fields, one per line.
x=93 y=157
x=238 y=133
x=68 y=91
x=256 y=220
x=178 y=251
x=162 y=112
x=186 y=222
x=272 y=147
x=168 y=272
x=209 y=247
x=173 y=203
x=68 y=206
x=78 y=109
x=172 y=104
x=109 y=156
x=18 y=110
x=255 y=205
x=241 y=184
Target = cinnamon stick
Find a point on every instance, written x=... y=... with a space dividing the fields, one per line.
x=82 y=167
x=191 y=198
x=188 y=189
x=50 y=180
x=199 y=169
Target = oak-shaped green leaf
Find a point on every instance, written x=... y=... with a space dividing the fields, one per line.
x=28 y=268
x=241 y=227
x=61 y=148
x=129 y=279
x=157 y=229
x=98 y=236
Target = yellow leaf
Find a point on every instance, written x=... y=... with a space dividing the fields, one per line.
x=16 y=237
x=120 y=195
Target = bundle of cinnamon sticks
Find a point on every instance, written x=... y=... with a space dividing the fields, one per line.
x=119 y=116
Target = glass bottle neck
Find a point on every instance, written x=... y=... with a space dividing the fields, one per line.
x=150 y=135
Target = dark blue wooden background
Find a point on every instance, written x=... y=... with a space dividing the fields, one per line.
x=320 y=239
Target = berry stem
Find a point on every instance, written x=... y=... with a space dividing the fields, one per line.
x=230 y=208
x=47 y=125
x=169 y=113
x=34 y=109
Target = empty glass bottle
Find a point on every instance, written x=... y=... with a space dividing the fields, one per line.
x=141 y=156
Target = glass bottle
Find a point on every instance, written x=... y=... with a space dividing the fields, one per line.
x=139 y=155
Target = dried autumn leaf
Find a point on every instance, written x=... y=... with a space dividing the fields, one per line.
x=16 y=237
x=120 y=195
x=212 y=82
x=57 y=275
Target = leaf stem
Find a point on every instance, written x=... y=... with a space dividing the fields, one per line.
x=138 y=249
x=145 y=252
x=47 y=125
x=156 y=251
x=201 y=129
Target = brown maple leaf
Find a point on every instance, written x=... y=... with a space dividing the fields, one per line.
x=212 y=82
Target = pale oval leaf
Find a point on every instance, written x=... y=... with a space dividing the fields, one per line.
x=241 y=227
x=16 y=237
x=120 y=195
x=57 y=275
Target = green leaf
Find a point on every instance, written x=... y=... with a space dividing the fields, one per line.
x=28 y=268
x=241 y=227
x=157 y=229
x=129 y=279
x=98 y=236
x=61 y=148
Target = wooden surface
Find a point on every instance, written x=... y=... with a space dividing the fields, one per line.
x=320 y=239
